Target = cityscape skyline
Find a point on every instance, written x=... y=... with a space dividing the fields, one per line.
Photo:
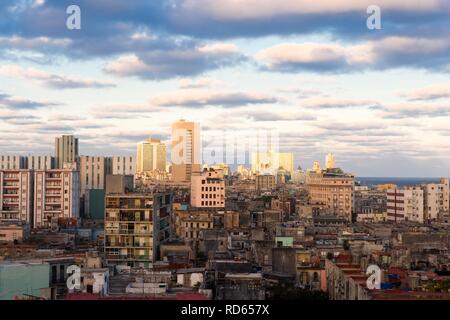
x=369 y=96
x=224 y=151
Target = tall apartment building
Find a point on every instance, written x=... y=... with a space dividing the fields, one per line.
x=185 y=150
x=208 y=189
x=41 y=162
x=405 y=204
x=93 y=171
x=135 y=226
x=269 y=162
x=66 y=150
x=150 y=156
x=13 y=162
x=124 y=165
x=16 y=196
x=332 y=191
x=265 y=182
x=436 y=199
x=56 y=195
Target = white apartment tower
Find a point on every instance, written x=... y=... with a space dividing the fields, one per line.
x=436 y=200
x=93 y=171
x=405 y=204
x=56 y=195
x=123 y=165
x=66 y=150
x=41 y=162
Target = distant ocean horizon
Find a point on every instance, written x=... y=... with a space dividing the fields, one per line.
x=372 y=181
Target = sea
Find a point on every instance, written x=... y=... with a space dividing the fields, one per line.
x=400 y=182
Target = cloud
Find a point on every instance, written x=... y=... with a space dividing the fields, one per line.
x=178 y=62
x=411 y=109
x=252 y=18
x=125 y=111
x=251 y=9
x=200 y=98
x=13 y=102
x=332 y=103
x=51 y=80
x=272 y=116
x=204 y=82
x=432 y=92
x=389 y=52
x=10 y=115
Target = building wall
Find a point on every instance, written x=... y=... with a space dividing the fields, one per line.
x=41 y=162
x=12 y=162
x=332 y=192
x=436 y=200
x=22 y=279
x=135 y=226
x=185 y=150
x=208 y=189
x=265 y=182
x=150 y=156
x=405 y=204
x=66 y=150
x=269 y=162
x=93 y=171
x=10 y=233
x=16 y=195
x=124 y=165
x=56 y=195
x=95 y=204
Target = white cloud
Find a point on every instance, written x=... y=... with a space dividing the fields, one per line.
x=199 y=98
x=432 y=92
x=51 y=80
x=237 y=10
x=389 y=52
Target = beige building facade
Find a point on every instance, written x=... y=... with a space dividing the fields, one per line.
x=150 y=156
x=332 y=191
x=208 y=189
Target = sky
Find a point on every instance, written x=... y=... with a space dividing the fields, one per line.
x=311 y=71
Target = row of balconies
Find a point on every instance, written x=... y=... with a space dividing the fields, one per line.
x=129 y=244
x=137 y=232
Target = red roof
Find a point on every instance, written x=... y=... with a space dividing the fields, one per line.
x=178 y=296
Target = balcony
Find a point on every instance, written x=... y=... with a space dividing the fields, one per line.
x=11 y=186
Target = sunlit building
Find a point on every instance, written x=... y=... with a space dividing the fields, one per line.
x=150 y=156
x=269 y=162
x=208 y=189
x=185 y=150
x=332 y=191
